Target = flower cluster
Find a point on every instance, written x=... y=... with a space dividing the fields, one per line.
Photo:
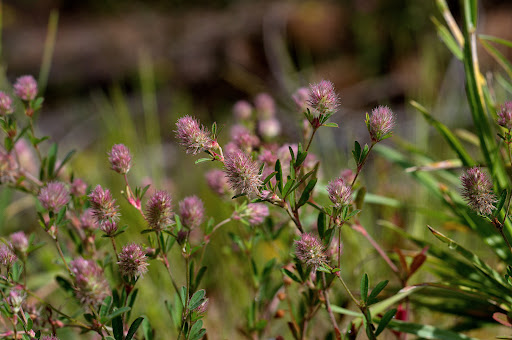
x=243 y=173
x=159 y=210
x=104 y=208
x=25 y=88
x=505 y=115
x=477 y=191
x=339 y=192
x=54 y=196
x=310 y=250
x=380 y=123
x=191 y=212
x=132 y=261
x=120 y=159
x=323 y=98
x=194 y=137
x=91 y=286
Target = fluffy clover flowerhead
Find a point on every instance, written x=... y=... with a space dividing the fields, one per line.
x=7 y=257
x=120 y=159
x=477 y=191
x=310 y=251
x=53 y=196
x=323 y=98
x=5 y=104
x=243 y=173
x=159 y=210
x=242 y=110
x=90 y=284
x=191 y=212
x=218 y=182
x=25 y=88
x=193 y=136
x=339 y=192
x=505 y=115
x=19 y=242
x=103 y=205
x=256 y=213
x=380 y=123
x=243 y=138
x=78 y=187
x=132 y=261
x=88 y=221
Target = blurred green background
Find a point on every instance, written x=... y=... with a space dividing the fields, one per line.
x=124 y=71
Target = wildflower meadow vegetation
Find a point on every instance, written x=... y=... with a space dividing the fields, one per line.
x=137 y=261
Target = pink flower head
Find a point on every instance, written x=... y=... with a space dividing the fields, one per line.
x=5 y=104
x=243 y=139
x=194 y=137
x=310 y=251
x=243 y=173
x=269 y=128
x=54 y=196
x=159 y=210
x=109 y=227
x=242 y=110
x=120 y=159
x=91 y=287
x=19 y=242
x=191 y=212
x=7 y=257
x=380 y=124
x=256 y=213
x=78 y=187
x=88 y=220
x=132 y=261
x=218 y=182
x=477 y=191
x=16 y=298
x=339 y=193
x=265 y=106
x=505 y=115
x=25 y=88
x=103 y=205
x=323 y=98
x=301 y=97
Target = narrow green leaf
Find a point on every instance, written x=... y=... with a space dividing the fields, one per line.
x=448 y=39
x=117 y=312
x=364 y=288
x=183 y=296
x=306 y=194
x=66 y=159
x=117 y=328
x=498 y=56
x=426 y=331
x=376 y=291
x=385 y=321
x=321 y=225
x=52 y=159
x=196 y=299
x=501 y=202
x=330 y=125
x=291 y=275
x=133 y=328
x=357 y=152
x=201 y=160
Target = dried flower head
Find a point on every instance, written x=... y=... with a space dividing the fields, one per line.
x=8 y=168
x=218 y=182
x=49 y=337
x=194 y=137
x=159 y=210
x=269 y=128
x=256 y=213
x=380 y=123
x=120 y=159
x=90 y=284
x=242 y=110
x=25 y=88
x=78 y=187
x=243 y=173
x=7 y=256
x=505 y=115
x=16 y=298
x=339 y=192
x=191 y=212
x=103 y=205
x=88 y=221
x=5 y=104
x=310 y=251
x=265 y=106
x=323 y=98
x=54 y=196
x=477 y=191
x=19 y=242
x=132 y=261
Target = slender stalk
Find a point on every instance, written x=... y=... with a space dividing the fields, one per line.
x=328 y=306
x=114 y=247
x=360 y=166
x=311 y=139
x=359 y=228
x=62 y=256
x=338 y=275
